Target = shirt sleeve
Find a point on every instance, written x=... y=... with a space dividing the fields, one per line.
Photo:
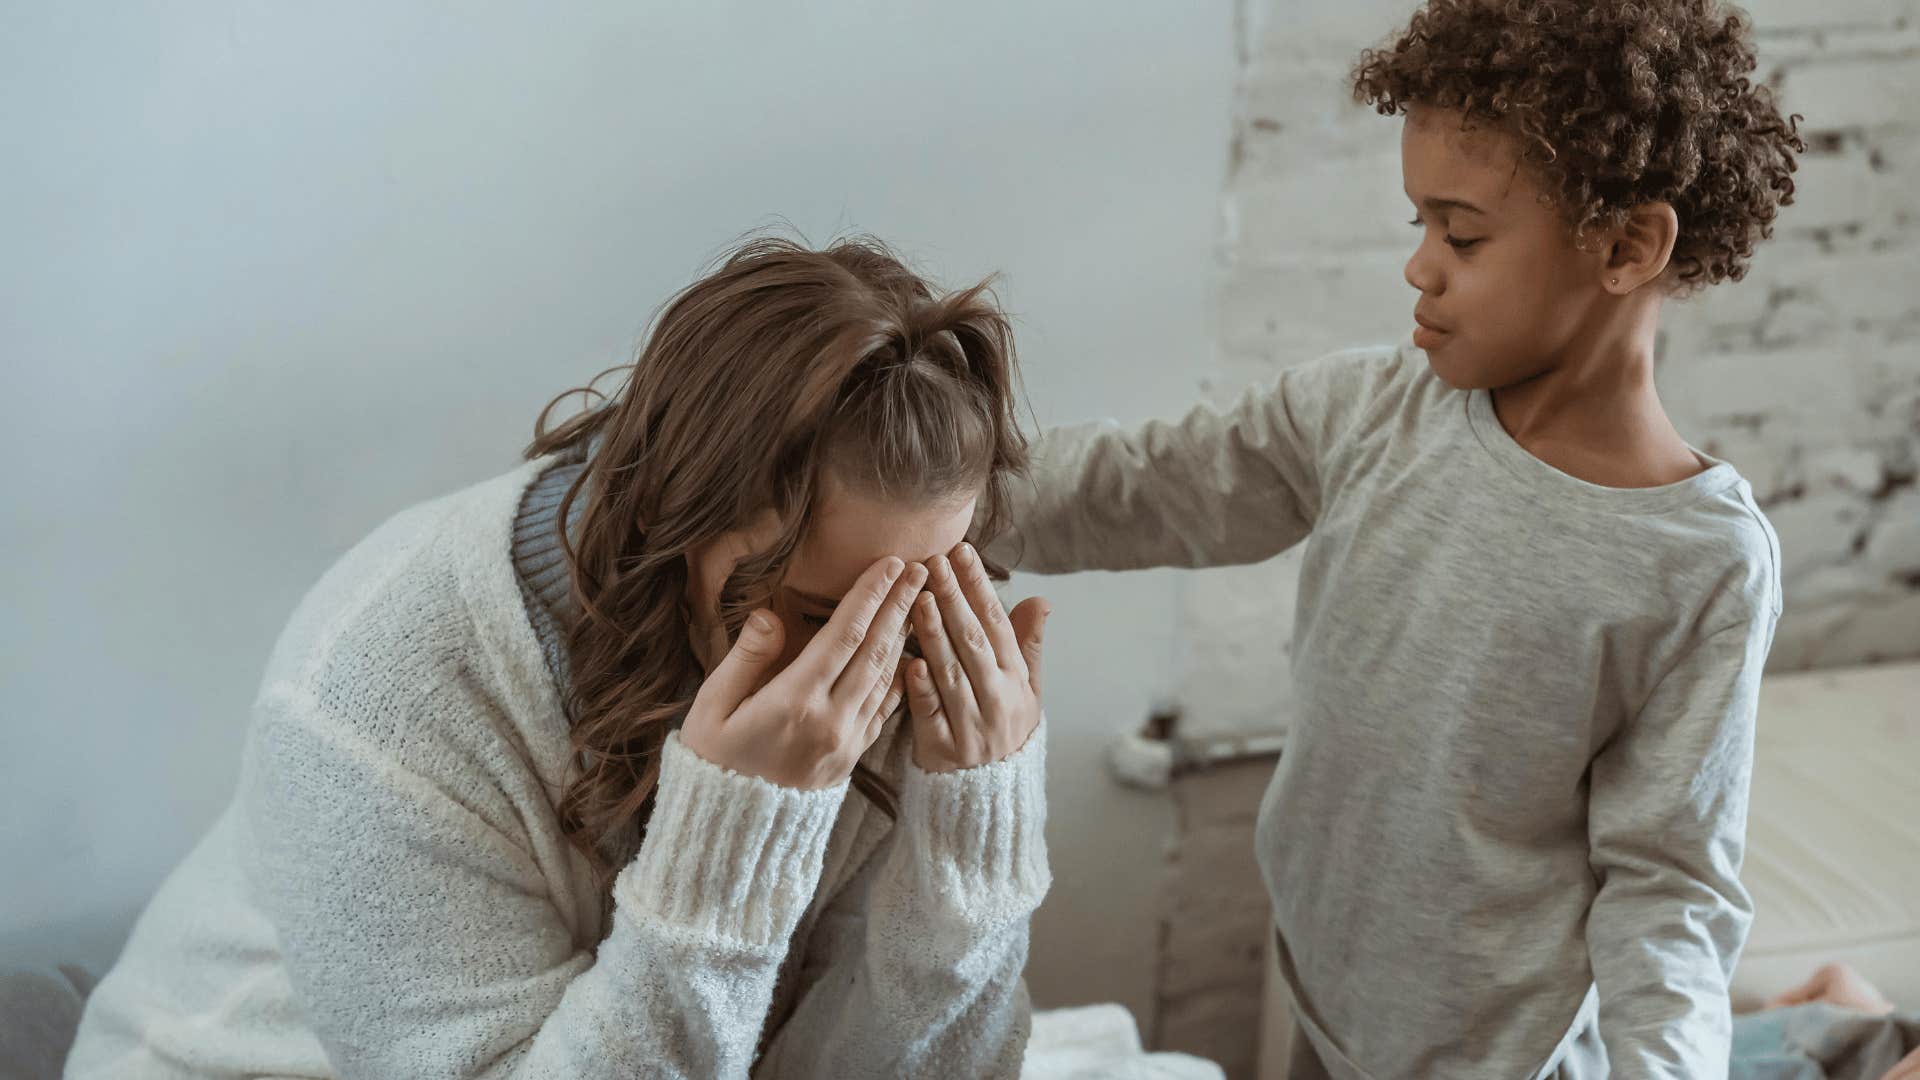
x=915 y=968
x=421 y=937
x=1667 y=829
x=1213 y=488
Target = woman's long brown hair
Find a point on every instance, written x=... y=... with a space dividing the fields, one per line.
x=781 y=364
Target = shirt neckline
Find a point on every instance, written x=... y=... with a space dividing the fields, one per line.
x=1546 y=481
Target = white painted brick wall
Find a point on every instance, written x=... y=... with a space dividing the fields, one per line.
x=1806 y=375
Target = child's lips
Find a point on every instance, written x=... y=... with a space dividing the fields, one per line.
x=1426 y=335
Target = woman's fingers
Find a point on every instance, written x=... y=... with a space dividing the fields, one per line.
x=987 y=610
x=932 y=738
x=828 y=654
x=884 y=697
x=923 y=701
x=876 y=701
x=744 y=667
x=873 y=665
x=944 y=669
x=1029 y=622
x=885 y=700
x=968 y=638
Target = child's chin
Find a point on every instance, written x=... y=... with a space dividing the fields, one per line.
x=1448 y=369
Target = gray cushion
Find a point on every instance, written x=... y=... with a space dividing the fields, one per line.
x=39 y=1012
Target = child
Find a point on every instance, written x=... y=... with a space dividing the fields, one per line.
x=1505 y=836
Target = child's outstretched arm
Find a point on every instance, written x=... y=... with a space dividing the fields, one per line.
x=1667 y=829
x=1214 y=488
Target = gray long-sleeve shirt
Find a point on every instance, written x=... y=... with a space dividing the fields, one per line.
x=1525 y=704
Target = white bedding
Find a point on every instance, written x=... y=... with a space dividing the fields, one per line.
x=1833 y=835
x=1100 y=1042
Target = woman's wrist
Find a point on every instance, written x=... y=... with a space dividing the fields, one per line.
x=980 y=832
x=727 y=855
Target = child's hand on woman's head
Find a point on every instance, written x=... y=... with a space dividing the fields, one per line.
x=975 y=695
x=808 y=726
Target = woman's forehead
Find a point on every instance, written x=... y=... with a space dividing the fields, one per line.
x=850 y=533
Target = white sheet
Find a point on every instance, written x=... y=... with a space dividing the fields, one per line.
x=1833 y=836
x=1100 y=1042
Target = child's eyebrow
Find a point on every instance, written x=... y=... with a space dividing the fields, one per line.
x=1438 y=205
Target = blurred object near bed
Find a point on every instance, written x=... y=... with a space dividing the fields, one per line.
x=1833 y=833
x=1100 y=1042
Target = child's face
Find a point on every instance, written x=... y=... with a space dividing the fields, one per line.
x=1503 y=288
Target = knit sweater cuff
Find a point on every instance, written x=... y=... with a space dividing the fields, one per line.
x=728 y=857
x=983 y=831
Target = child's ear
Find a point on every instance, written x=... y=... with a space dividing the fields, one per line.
x=1641 y=248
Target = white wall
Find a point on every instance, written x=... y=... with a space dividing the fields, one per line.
x=272 y=272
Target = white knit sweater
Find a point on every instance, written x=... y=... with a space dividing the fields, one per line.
x=390 y=893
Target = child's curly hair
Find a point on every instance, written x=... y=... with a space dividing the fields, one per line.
x=1617 y=103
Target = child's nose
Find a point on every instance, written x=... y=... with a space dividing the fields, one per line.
x=1422 y=272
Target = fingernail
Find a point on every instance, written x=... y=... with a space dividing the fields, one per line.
x=760 y=622
x=937 y=567
x=967 y=554
x=894 y=566
x=916 y=573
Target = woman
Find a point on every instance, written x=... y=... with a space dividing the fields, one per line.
x=526 y=801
